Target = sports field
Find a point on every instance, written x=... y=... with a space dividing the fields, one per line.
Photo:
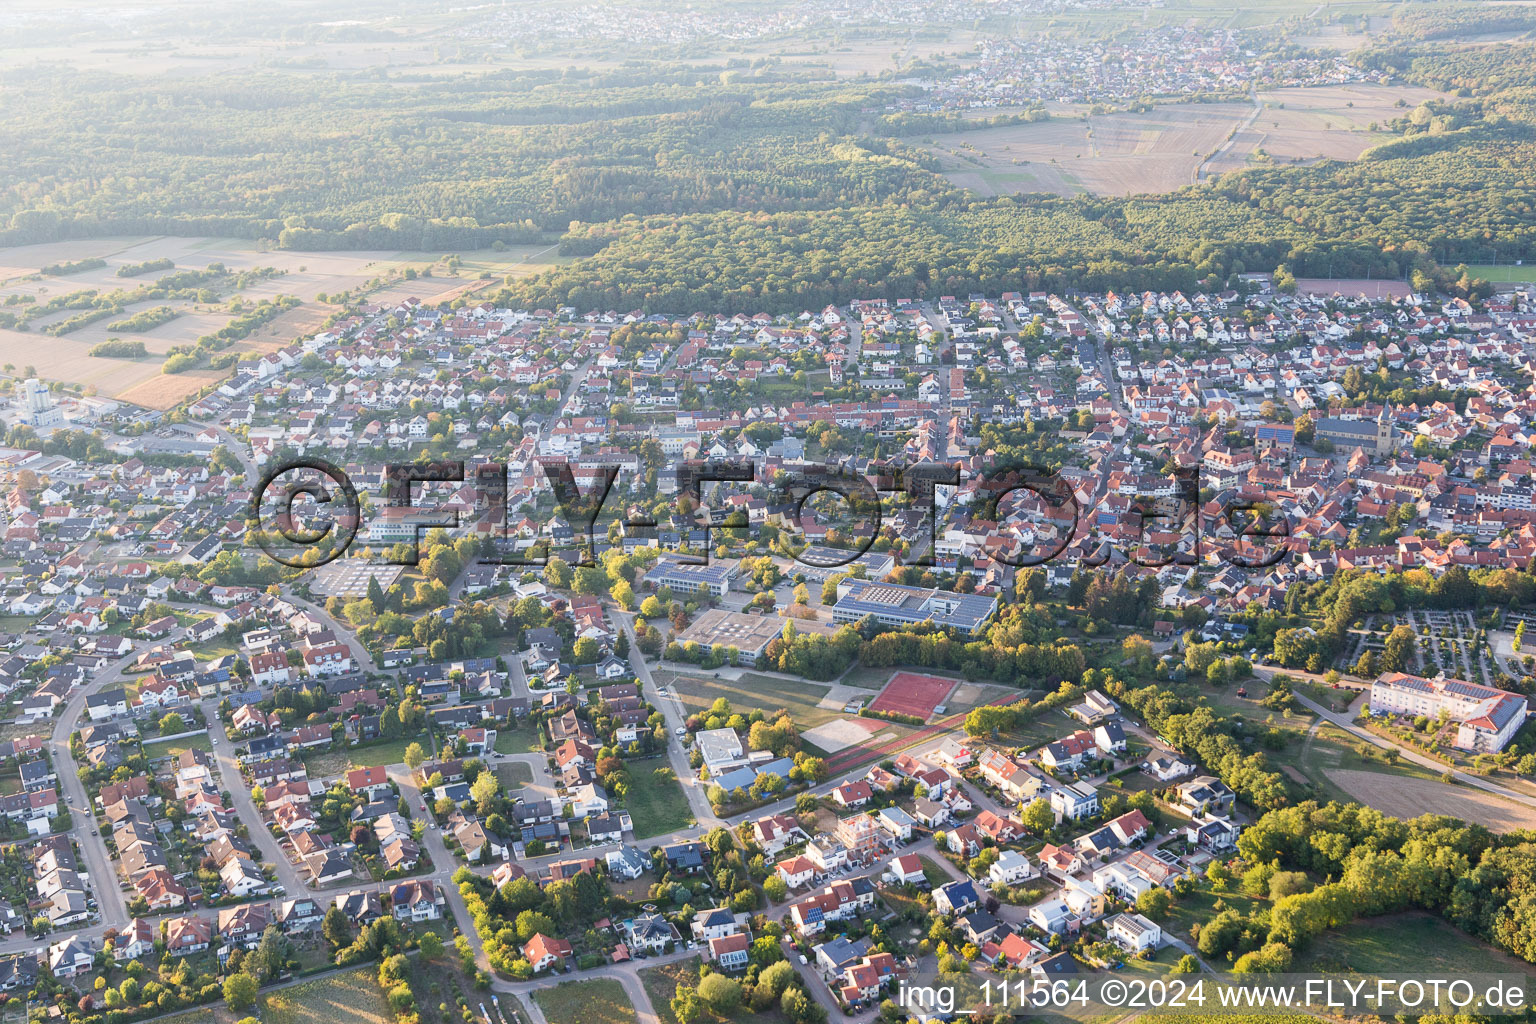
x=1505 y=273
x=911 y=694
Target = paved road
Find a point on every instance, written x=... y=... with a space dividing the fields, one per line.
x=626 y=974
x=104 y=880
x=444 y=864
x=245 y=806
x=362 y=661
x=672 y=711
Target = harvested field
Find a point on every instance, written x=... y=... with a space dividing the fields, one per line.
x=1409 y=798
x=1112 y=154
x=1318 y=122
x=1163 y=149
x=911 y=694
x=306 y=275
x=1352 y=286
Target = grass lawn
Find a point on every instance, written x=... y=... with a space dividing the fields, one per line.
x=1160 y=964
x=1405 y=944
x=753 y=692
x=1224 y=700
x=205 y=1015
x=1504 y=273
x=655 y=803
x=595 y=1001
x=514 y=775
x=521 y=740
x=1136 y=780
x=867 y=678
x=1046 y=726
x=970 y=695
x=1200 y=906
x=170 y=748
x=340 y=759
x=900 y=903
x=213 y=649
x=442 y=982
x=352 y=998
x=935 y=875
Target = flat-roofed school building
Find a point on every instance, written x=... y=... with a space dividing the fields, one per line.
x=749 y=634
x=682 y=578
x=898 y=605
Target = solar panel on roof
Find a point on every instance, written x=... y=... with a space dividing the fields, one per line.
x=883 y=595
x=1414 y=683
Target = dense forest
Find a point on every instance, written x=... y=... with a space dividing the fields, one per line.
x=762 y=185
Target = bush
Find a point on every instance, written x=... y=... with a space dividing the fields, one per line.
x=892 y=716
x=117 y=348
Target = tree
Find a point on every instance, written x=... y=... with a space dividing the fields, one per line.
x=240 y=990
x=1220 y=933
x=376 y=596
x=1154 y=903
x=765 y=950
x=1187 y=964
x=623 y=594
x=336 y=928
x=1198 y=658
x=484 y=789
x=686 y=1005
x=797 y=1006
x=530 y=923
x=775 y=889
x=431 y=945
x=557 y=573
x=590 y=581
x=271 y=952
x=773 y=980
x=586 y=651
x=1273 y=958
x=1400 y=645
x=172 y=724
x=720 y=993
x=415 y=756
x=1135 y=647
x=1038 y=816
